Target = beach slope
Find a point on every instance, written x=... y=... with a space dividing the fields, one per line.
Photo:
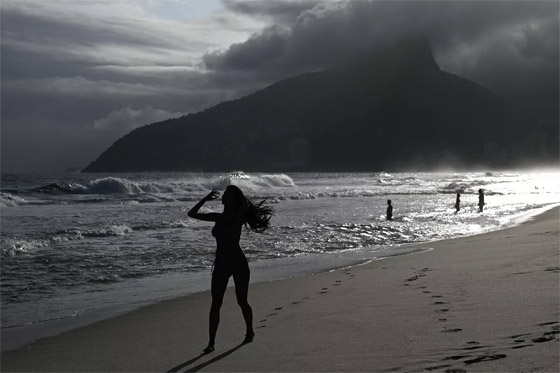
x=481 y=303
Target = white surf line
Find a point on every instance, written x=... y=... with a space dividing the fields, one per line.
x=530 y=215
x=367 y=261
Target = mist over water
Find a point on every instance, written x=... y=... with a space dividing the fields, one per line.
x=71 y=243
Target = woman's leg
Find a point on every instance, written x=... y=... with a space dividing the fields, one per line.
x=241 y=277
x=219 y=285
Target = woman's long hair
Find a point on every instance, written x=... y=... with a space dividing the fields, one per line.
x=257 y=216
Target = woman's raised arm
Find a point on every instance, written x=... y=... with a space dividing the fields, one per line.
x=213 y=216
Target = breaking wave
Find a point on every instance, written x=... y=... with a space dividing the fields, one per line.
x=116 y=185
x=8 y=200
x=12 y=247
x=465 y=187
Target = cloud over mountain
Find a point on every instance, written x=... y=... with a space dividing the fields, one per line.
x=75 y=62
x=483 y=40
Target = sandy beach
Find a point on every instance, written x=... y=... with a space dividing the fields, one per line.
x=485 y=303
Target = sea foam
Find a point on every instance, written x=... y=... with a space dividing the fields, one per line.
x=8 y=200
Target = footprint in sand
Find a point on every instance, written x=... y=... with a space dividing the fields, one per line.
x=395 y=369
x=518 y=273
x=278 y=308
x=485 y=358
x=448 y=330
x=436 y=296
x=457 y=357
x=546 y=337
x=443 y=310
x=550 y=335
x=296 y=303
x=548 y=323
x=439 y=367
x=263 y=321
x=520 y=346
x=436 y=303
x=519 y=335
x=472 y=348
x=442 y=320
x=517 y=340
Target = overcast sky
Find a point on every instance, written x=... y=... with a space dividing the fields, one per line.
x=77 y=75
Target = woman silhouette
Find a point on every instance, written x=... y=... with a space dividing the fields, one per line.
x=230 y=260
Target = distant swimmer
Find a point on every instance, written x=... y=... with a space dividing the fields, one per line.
x=389 y=210
x=480 y=200
x=458 y=203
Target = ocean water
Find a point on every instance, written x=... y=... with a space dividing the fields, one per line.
x=77 y=243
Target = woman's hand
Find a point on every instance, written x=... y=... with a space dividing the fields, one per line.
x=212 y=195
x=193 y=213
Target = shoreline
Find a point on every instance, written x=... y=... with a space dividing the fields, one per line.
x=16 y=337
x=486 y=302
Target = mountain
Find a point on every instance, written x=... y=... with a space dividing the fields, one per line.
x=390 y=109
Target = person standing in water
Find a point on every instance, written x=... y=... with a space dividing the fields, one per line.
x=230 y=259
x=458 y=203
x=389 y=210
x=480 y=200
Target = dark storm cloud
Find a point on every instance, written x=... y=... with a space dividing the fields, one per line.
x=282 y=12
x=479 y=40
x=263 y=51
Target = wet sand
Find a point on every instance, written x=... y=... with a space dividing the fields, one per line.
x=481 y=303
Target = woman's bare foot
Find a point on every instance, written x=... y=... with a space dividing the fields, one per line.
x=208 y=349
x=249 y=337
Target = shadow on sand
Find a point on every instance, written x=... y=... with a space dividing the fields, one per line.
x=200 y=366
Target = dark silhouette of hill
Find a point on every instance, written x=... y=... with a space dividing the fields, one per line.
x=391 y=109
